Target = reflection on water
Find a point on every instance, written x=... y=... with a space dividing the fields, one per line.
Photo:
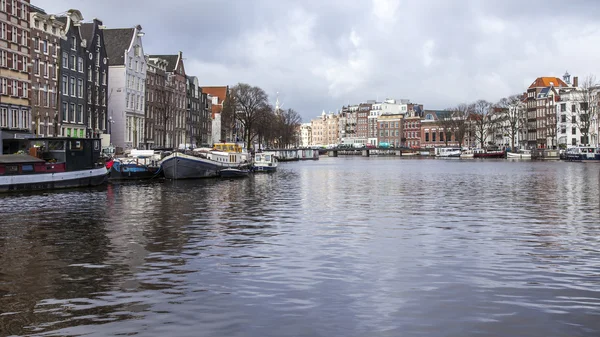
x=342 y=246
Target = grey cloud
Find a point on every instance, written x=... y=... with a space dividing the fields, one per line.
x=435 y=52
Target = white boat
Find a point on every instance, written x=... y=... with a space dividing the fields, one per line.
x=521 y=154
x=583 y=154
x=205 y=164
x=446 y=152
x=265 y=162
x=467 y=154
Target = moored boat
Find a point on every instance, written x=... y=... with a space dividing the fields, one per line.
x=207 y=164
x=447 y=152
x=583 y=154
x=467 y=154
x=140 y=165
x=521 y=154
x=265 y=162
x=53 y=163
x=487 y=153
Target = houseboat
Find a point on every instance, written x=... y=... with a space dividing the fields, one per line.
x=489 y=153
x=205 y=163
x=139 y=165
x=583 y=154
x=265 y=162
x=447 y=152
x=521 y=154
x=53 y=163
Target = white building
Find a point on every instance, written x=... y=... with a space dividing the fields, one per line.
x=126 y=86
x=571 y=114
x=305 y=135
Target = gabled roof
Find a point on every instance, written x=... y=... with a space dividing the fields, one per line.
x=116 y=42
x=87 y=32
x=171 y=60
x=217 y=91
x=542 y=82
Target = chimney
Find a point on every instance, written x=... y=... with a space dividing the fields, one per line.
x=575 y=81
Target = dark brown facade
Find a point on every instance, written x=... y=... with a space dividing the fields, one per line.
x=45 y=56
x=97 y=78
x=176 y=95
x=157 y=113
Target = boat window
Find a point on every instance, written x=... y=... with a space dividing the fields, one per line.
x=27 y=168
x=267 y=157
x=76 y=145
x=257 y=158
x=56 y=145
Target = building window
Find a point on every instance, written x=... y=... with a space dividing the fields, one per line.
x=45 y=47
x=73 y=43
x=80 y=64
x=563 y=118
x=90 y=74
x=426 y=136
x=574 y=130
x=65 y=85
x=563 y=129
x=3 y=117
x=3 y=86
x=15 y=118
x=36 y=43
x=79 y=88
x=80 y=113
x=573 y=119
x=65 y=60
x=2 y=29
x=104 y=77
x=64 y=112
x=15 y=36
x=573 y=141
x=72 y=87
x=433 y=136
x=73 y=62
x=72 y=112
x=36 y=66
x=3 y=58
x=25 y=90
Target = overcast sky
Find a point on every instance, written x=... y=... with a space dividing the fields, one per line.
x=323 y=54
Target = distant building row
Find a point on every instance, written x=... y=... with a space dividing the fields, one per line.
x=552 y=113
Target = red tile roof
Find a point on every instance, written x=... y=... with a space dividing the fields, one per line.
x=542 y=82
x=221 y=93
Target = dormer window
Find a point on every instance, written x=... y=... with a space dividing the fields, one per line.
x=137 y=50
x=98 y=40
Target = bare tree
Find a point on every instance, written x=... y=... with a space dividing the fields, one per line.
x=446 y=122
x=249 y=102
x=288 y=122
x=586 y=100
x=511 y=110
x=227 y=117
x=459 y=122
x=481 y=120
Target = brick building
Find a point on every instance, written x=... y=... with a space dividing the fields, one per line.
x=15 y=108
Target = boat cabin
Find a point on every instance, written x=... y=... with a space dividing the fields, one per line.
x=50 y=155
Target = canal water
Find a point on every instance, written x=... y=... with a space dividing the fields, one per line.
x=346 y=246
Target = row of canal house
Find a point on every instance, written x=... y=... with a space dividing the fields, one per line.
x=552 y=113
x=63 y=76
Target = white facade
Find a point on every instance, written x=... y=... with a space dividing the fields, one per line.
x=215 y=124
x=305 y=135
x=127 y=88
